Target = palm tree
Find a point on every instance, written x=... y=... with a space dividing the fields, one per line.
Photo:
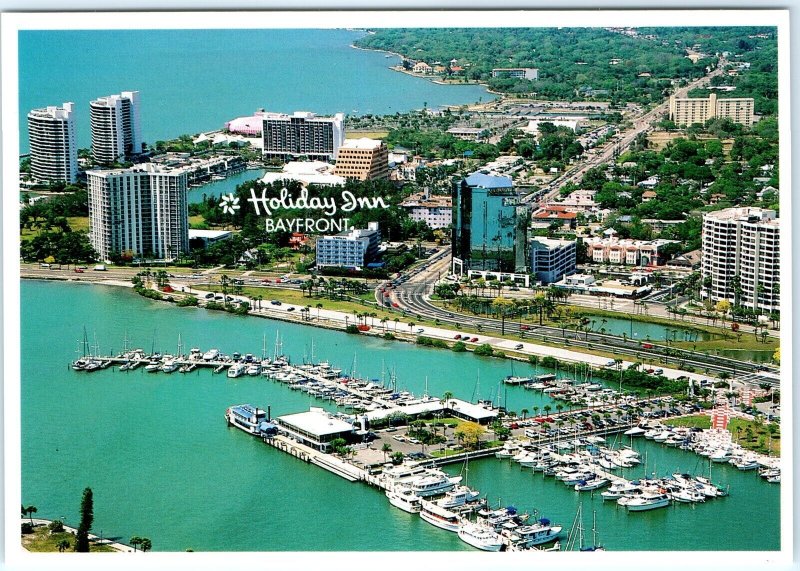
x=146 y=544
x=30 y=510
x=547 y=408
x=63 y=545
x=445 y=400
x=535 y=411
x=559 y=408
x=135 y=541
x=319 y=306
x=524 y=412
x=386 y=448
x=383 y=322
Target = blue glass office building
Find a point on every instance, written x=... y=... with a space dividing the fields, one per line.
x=489 y=224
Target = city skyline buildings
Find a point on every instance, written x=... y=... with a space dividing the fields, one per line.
x=54 y=153
x=115 y=123
x=138 y=211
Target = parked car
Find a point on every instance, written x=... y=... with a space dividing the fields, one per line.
x=457 y=337
x=209 y=296
x=519 y=346
x=473 y=340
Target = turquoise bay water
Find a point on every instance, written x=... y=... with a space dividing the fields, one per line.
x=220 y=187
x=195 y=80
x=162 y=463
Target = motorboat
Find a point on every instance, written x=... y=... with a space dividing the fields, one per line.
x=542 y=531
x=236 y=370
x=254 y=369
x=211 y=354
x=588 y=485
x=435 y=482
x=405 y=499
x=170 y=366
x=458 y=496
x=439 y=516
x=648 y=500
x=480 y=536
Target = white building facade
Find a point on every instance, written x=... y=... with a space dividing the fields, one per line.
x=54 y=152
x=350 y=250
x=742 y=245
x=551 y=259
x=302 y=134
x=116 y=127
x=435 y=211
x=141 y=211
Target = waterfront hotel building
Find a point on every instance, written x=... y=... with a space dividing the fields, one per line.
x=141 y=211
x=302 y=134
x=741 y=257
x=489 y=225
x=116 y=127
x=349 y=250
x=54 y=152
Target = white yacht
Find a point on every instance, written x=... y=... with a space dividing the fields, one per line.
x=645 y=501
x=433 y=483
x=236 y=370
x=211 y=354
x=404 y=499
x=254 y=369
x=170 y=366
x=480 y=537
x=439 y=516
x=458 y=496
x=588 y=485
x=534 y=534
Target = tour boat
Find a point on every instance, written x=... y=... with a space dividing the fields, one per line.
x=405 y=499
x=439 y=516
x=480 y=537
x=245 y=417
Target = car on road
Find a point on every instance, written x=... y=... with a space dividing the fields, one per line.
x=420 y=331
x=209 y=296
x=219 y=298
x=290 y=308
x=457 y=337
x=266 y=281
x=275 y=302
x=647 y=345
x=519 y=346
x=473 y=340
x=609 y=364
x=658 y=372
x=78 y=271
x=525 y=327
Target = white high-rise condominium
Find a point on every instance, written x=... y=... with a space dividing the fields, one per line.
x=741 y=257
x=140 y=211
x=116 y=127
x=54 y=153
x=302 y=134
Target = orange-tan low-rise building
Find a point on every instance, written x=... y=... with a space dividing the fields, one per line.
x=362 y=159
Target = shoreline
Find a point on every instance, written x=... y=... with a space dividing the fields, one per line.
x=97 y=540
x=337 y=321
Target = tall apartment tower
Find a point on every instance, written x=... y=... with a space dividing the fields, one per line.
x=302 y=134
x=116 y=127
x=742 y=245
x=362 y=159
x=54 y=152
x=141 y=210
x=489 y=225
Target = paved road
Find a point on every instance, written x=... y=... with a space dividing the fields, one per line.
x=622 y=141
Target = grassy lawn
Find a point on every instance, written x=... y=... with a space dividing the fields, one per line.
x=699 y=421
x=76 y=223
x=42 y=541
x=368 y=134
x=757 y=438
x=723 y=339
